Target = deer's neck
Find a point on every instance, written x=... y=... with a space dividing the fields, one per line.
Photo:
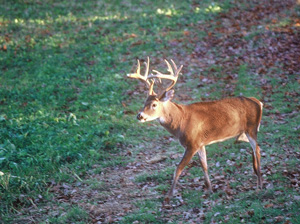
x=172 y=118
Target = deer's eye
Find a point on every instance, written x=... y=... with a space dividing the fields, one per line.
x=154 y=105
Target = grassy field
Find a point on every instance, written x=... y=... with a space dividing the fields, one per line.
x=71 y=150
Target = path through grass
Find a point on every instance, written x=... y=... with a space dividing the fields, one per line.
x=70 y=148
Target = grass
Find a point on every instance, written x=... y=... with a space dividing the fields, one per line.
x=146 y=214
x=159 y=177
x=72 y=215
x=66 y=107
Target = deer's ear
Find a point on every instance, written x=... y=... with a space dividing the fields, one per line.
x=167 y=96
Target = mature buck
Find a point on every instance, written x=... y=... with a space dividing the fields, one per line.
x=199 y=124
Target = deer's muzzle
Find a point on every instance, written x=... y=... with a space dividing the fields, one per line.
x=140 y=116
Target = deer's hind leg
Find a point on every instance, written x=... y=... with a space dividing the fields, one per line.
x=256 y=157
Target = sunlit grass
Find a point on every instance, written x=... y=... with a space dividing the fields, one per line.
x=212 y=8
x=171 y=11
x=65 y=105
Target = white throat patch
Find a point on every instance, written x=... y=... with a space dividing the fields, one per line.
x=161 y=120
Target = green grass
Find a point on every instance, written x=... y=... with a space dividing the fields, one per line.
x=71 y=215
x=159 y=177
x=147 y=213
x=65 y=105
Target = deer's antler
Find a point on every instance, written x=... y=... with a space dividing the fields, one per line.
x=173 y=76
x=152 y=78
x=143 y=78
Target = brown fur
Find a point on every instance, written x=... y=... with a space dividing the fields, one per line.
x=199 y=124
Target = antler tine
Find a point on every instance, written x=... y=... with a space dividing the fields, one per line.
x=151 y=91
x=177 y=70
x=151 y=82
x=137 y=74
x=170 y=69
x=173 y=75
x=174 y=65
x=143 y=78
x=138 y=69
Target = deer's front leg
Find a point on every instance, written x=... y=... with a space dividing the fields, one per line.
x=189 y=153
x=203 y=162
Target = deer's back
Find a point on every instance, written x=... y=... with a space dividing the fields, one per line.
x=207 y=122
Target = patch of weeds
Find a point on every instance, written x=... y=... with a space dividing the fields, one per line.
x=162 y=188
x=235 y=184
x=65 y=105
x=147 y=213
x=246 y=210
x=96 y=185
x=72 y=215
x=276 y=177
x=158 y=177
x=246 y=83
x=114 y=161
x=195 y=171
x=293 y=163
x=194 y=197
x=252 y=35
x=142 y=217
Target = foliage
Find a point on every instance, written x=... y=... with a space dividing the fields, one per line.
x=67 y=116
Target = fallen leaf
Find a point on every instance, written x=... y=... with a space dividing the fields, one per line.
x=157 y=158
x=269 y=205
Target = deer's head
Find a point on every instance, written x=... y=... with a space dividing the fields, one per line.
x=155 y=103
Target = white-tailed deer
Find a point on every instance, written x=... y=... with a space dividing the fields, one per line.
x=199 y=124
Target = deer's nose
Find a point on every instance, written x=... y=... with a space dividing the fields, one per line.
x=139 y=116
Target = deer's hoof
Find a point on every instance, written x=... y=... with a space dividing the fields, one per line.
x=166 y=200
x=209 y=191
x=166 y=203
